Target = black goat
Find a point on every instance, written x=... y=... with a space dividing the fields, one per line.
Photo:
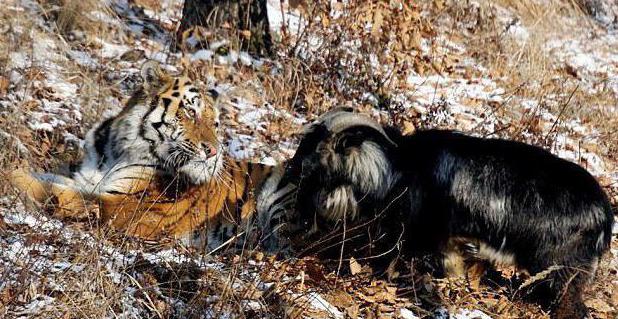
x=441 y=191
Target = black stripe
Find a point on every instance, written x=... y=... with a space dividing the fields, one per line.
x=166 y=103
x=142 y=133
x=101 y=137
x=123 y=193
x=163 y=201
x=249 y=170
x=218 y=229
x=158 y=125
x=212 y=92
x=244 y=198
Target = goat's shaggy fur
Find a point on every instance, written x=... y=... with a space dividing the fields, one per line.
x=442 y=191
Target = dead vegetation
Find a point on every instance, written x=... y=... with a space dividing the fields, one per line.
x=399 y=61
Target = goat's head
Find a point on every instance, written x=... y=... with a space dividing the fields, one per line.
x=343 y=158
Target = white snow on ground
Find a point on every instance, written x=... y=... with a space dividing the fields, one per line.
x=463 y=104
x=593 y=57
x=456 y=95
x=469 y=314
x=466 y=103
x=442 y=313
x=407 y=314
x=316 y=301
x=50 y=262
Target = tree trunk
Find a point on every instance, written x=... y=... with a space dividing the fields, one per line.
x=244 y=22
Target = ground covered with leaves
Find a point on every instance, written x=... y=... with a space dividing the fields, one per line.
x=540 y=71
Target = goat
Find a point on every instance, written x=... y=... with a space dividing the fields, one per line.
x=438 y=191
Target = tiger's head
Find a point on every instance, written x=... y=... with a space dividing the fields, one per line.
x=181 y=125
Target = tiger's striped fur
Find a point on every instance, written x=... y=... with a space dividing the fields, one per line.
x=157 y=169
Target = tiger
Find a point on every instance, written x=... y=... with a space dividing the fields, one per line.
x=158 y=170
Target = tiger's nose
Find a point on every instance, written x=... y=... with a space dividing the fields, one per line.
x=209 y=149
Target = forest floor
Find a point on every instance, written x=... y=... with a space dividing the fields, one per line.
x=539 y=71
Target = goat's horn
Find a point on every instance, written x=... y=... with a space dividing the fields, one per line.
x=343 y=120
x=326 y=117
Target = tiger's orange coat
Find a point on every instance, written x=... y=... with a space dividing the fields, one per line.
x=159 y=209
x=151 y=203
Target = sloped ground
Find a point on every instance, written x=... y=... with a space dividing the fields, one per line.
x=537 y=71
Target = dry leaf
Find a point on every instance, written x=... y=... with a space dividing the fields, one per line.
x=416 y=41
x=296 y=3
x=599 y=305
x=342 y=300
x=325 y=20
x=314 y=271
x=408 y=128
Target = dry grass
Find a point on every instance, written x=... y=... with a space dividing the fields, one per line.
x=66 y=18
x=324 y=75
x=548 y=13
x=515 y=51
x=75 y=15
x=90 y=292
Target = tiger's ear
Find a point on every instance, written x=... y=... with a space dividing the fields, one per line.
x=154 y=78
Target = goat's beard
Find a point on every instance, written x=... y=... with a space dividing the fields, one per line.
x=367 y=173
